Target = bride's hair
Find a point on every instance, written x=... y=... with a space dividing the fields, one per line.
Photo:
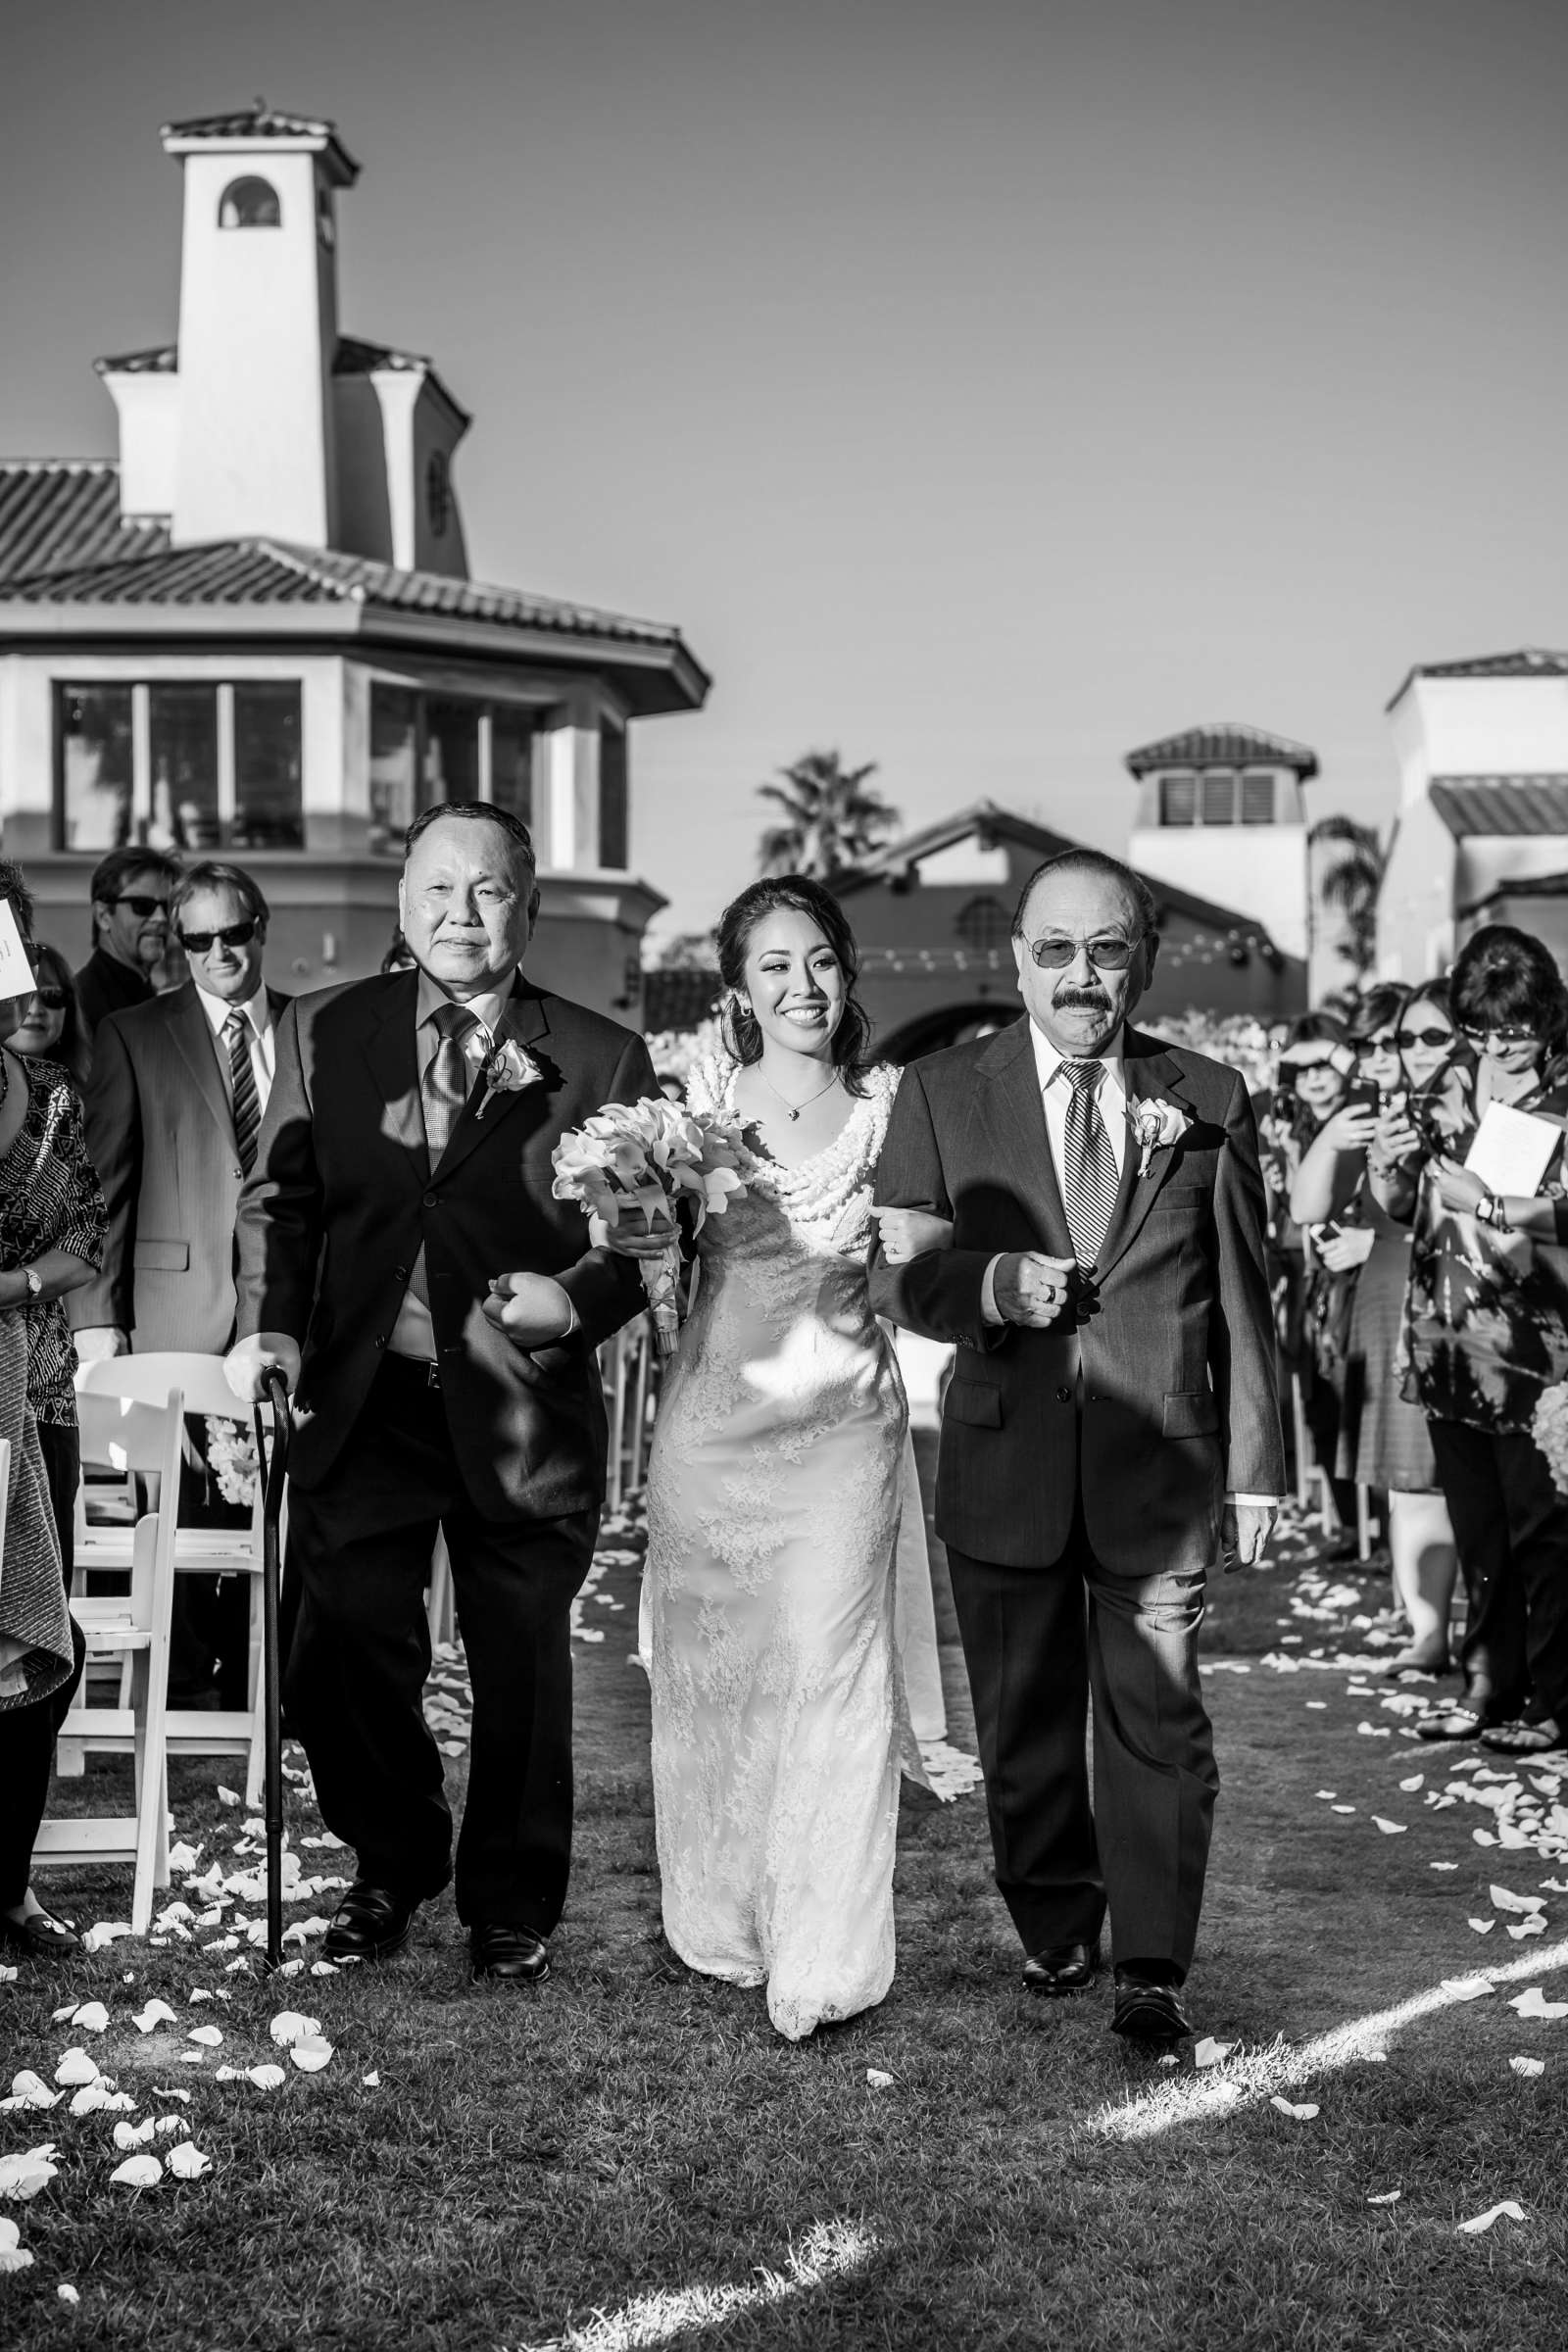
x=743 y=1033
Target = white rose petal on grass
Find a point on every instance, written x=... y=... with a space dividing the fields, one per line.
x=1387 y=2196
x=1528 y=2065
x=9 y=1976
x=22 y=2175
x=1504 y=1900
x=289 y=2025
x=173 y=2125
x=1341 y=1808
x=103 y=1933
x=1495 y=2212
x=1389 y=1828
x=156 y=2013
x=1466 y=1988
x=265 y=2077
x=134 y=2136
x=1443 y=1866
x=189 y=2057
x=93 y=2097
x=210 y=2036
x=1326 y=1793
x=1482 y=1838
x=1535 y=2003
x=310 y=2055
x=138 y=2172
x=227 y=1797
x=1303 y=2114
x=877 y=2079
x=1412 y=1784
x=92 y=2017
x=1482 y=1926
x=29 y=2091
x=158 y=2092
x=13 y=2255
x=67 y=2293
x=75 y=2066
x=1528 y=1927
x=372 y=2082
x=187 y=2162
x=1210 y=2053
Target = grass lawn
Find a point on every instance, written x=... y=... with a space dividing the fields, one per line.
x=631 y=2156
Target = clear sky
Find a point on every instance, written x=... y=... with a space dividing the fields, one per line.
x=985 y=388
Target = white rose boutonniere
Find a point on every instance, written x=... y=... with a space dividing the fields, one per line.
x=508 y=1069
x=1157 y=1124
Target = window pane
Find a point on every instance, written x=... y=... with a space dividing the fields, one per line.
x=1178 y=799
x=184 y=767
x=394 y=713
x=1257 y=799
x=984 y=924
x=1219 y=797
x=268 y=800
x=614 y=845
x=511 y=741
x=92 y=728
x=451 y=751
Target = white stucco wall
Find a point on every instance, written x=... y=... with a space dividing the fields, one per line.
x=1477 y=727
x=1259 y=870
x=1416 y=903
x=148 y=410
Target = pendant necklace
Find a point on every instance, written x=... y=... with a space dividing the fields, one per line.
x=793 y=1110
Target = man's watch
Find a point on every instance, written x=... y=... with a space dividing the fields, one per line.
x=34 y=1282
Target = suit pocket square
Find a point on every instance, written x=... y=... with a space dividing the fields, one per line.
x=162 y=1257
x=974 y=1402
x=1192 y=1413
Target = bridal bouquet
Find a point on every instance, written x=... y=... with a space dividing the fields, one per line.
x=643 y=1158
x=1549 y=1429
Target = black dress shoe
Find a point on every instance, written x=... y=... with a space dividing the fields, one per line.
x=1061 y=1969
x=370 y=1922
x=1147 y=2012
x=511 y=1955
x=39 y=1937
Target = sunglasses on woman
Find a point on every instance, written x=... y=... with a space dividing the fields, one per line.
x=1478 y=1033
x=233 y=935
x=1365 y=1047
x=52 y=1000
x=1426 y=1037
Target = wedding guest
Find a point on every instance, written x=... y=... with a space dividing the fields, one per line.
x=130 y=892
x=51 y=1027
x=1315 y=1069
x=1487 y=1333
x=51 y=1237
x=1383 y=1437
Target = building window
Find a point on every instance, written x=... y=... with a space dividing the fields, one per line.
x=450 y=769
x=1178 y=799
x=182 y=749
x=614 y=835
x=394 y=764
x=95 y=779
x=250 y=204
x=268 y=768
x=1257 y=797
x=984 y=925
x=513 y=733
x=1219 y=796
x=438 y=492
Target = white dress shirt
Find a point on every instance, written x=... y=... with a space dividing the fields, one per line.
x=257 y=1014
x=1111 y=1096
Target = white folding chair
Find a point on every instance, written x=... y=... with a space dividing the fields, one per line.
x=198 y=1550
x=146 y=1438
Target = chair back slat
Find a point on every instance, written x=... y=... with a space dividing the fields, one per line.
x=121 y=1434
x=149 y=1378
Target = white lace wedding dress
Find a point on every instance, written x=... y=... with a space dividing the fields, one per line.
x=774 y=1495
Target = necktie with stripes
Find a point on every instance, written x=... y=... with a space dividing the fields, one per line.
x=247 y=1104
x=1089 y=1176
x=443 y=1091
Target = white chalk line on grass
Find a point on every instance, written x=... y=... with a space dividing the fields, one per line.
x=827 y=2251
x=1246 y=2081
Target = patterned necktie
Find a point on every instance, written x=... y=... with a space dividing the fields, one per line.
x=444 y=1086
x=247 y=1104
x=1088 y=1177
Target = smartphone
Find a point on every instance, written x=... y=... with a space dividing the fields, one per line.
x=1362 y=1095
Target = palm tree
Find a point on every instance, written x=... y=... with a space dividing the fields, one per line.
x=832 y=819
x=1350 y=883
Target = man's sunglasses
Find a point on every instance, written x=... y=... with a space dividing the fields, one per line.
x=1107 y=954
x=139 y=904
x=233 y=935
x=1426 y=1037
x=1478 y=1033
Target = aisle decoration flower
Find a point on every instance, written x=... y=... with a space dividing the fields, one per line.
x=231 y=1458
x=1548 y=1427
x=640 y=1159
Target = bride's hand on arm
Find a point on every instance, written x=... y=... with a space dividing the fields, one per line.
x=634 y=1235
x=909 y=1233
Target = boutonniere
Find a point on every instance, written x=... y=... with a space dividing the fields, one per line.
x=508 y=1069
x=1157 y=1124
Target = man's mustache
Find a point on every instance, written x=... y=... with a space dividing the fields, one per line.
x=1076 y=1000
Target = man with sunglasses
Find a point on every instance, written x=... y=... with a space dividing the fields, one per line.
x=130 y=893
x=1111 y=1432
x=175 y=1104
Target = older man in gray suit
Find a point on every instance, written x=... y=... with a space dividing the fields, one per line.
x=1111 y=1430
x=174 y=1105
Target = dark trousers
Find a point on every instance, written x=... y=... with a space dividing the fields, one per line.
x=1511 y=1525
x=26 y=1761
x=209 y=1624
x=360 y=1548
x=1038 y=1643
x=61 y=1449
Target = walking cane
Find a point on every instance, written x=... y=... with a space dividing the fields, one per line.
x=274 y=1471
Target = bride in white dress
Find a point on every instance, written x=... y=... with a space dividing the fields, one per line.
x=775 y=1489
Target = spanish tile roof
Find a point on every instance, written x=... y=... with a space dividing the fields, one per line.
x=1525 y=661
x=1512 y=805
x=1521 y=886
x=260 y=121
x=1225 y=743
x=161 y=360
x=65 y=512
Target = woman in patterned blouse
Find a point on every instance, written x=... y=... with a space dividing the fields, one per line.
x=51 y=1241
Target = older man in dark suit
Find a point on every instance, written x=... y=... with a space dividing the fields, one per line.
x=1111 y=1430
x=174 y=1100
x=405 y=1164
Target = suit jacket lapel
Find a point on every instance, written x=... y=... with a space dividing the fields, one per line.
x=192 y=1033
x=392 y=1051
x=1150 y=1071
x=1019 y=1115
x=525 y=1020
